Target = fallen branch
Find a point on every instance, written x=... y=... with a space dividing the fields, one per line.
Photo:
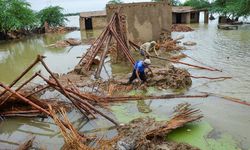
x=228 y=98
x=202 y=63
x=135 y=98
x=183 y=63
x=211 y=78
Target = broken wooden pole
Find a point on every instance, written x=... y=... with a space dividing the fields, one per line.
x=210 y=78
x=37 y=91
x=228 y=98
x=98 y=72
x=25 y=99
x=22 y=85
x=183 y=63
x=22 y=74
x=124 y=48
x=96 y=110
x=135 y=98
x=58 y=88
x=78 y=99
x=97 y=40
x=202 y=63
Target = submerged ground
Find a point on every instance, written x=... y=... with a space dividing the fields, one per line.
x=225 y=126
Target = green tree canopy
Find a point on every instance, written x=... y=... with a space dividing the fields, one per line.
x=15 y=15
x=115 y=2
x=53 y=15
x=198 y=4
x=231 y=8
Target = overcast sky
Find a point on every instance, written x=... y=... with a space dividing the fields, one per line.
x=71 y=6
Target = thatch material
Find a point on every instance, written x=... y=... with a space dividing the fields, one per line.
x=73 y=140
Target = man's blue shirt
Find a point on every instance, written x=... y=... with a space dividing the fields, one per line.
x=139 y=65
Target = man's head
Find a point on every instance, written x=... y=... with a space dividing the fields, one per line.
x=153 y=43
x=147 y=62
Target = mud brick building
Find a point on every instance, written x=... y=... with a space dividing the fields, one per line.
x=143 y=21
x=187 y=15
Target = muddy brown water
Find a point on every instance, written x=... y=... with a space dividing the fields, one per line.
x=226 y=50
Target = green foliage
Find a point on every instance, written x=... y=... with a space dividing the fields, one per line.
x=15 y=15
x=198 y=4
x=115 y=2
x=231 y=8
x=53 y=16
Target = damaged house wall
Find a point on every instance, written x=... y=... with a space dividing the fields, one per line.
x=144 y=21
x=93 y=20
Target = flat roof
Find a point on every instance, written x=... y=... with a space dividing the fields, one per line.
x=93 y=14
x=185 y=9
x=182 y=9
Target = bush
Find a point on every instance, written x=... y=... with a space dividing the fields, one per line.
x=53 y=16
x=15 y=15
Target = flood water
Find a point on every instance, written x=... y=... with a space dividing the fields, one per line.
x=226 y=125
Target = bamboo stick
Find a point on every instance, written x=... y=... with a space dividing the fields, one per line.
x=22 y=74
x=37 y=91
x=211 y=78
x=79 y=99
x=25 y=99
x=135 y=98
x=123 y=45
x=183 y=63
x=21 y=86
x=103 y=57
x=228 y=98
x=202 y=63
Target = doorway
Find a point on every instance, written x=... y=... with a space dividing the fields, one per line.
x=178 y=18
x=88 y=23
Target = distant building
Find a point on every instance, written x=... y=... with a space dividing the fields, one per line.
x=93 y=20
x=186 y=15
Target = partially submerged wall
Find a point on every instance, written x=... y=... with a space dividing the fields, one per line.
x=145 y=21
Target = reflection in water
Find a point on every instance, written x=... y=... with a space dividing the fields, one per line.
x=143 y=107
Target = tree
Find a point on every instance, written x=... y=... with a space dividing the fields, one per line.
x=198 y=4
x=53 y=16
x=232 y=9
x=115 y=2
x=16 y=15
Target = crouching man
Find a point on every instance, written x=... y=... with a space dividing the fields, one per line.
x=139 y=71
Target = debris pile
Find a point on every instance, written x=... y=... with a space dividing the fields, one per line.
x=73 y=140
x=81 y=101
x=163 y=78
x=141 y=133
x=170 y=77
x=170 y=45
x=65 y=43
x=146 y=133
x=61 y=29
x=181 y=28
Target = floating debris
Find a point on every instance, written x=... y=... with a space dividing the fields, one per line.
x=181 y=28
